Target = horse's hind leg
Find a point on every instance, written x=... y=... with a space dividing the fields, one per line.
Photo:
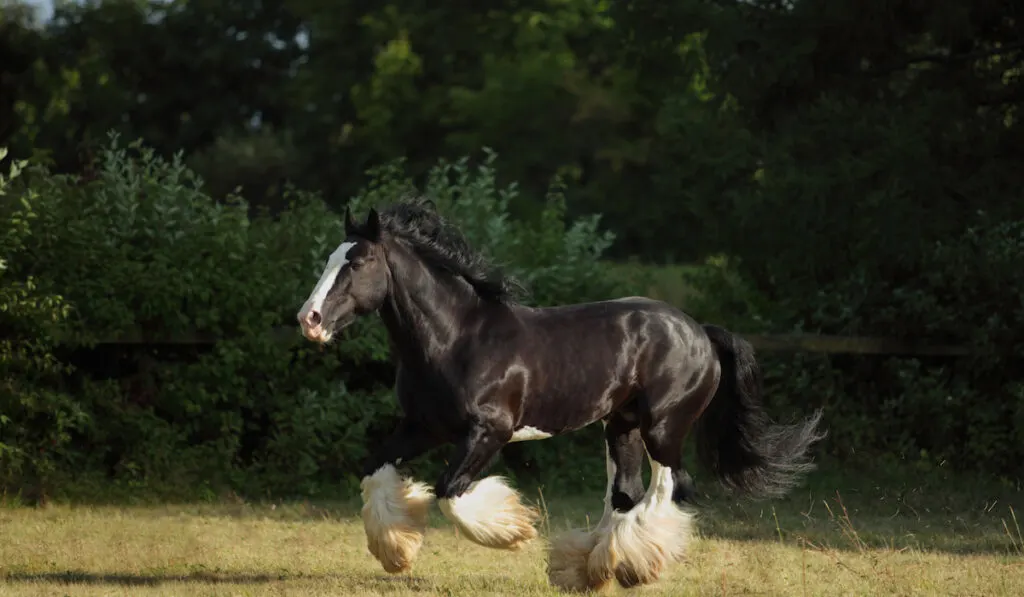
x=637 y=545
x=569 y=552
x=626 y=455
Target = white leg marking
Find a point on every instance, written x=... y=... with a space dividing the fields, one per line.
x=395 y=517
x=636 y=546
x=527 y=433
x=610 y=470
x=491 y=514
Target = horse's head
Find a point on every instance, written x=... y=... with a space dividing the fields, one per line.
x=354 y=282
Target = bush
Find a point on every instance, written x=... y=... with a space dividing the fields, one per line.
x=36 y=419
x=258 y=165
x=965 y=412
x=141 y=252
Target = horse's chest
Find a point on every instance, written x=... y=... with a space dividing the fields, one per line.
x=430 y=400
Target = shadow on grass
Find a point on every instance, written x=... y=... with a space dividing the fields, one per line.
x=73 y=577
x=348 y=582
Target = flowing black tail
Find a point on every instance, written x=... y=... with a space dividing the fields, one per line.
x=735 y=437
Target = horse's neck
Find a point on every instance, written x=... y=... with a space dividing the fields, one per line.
x=423 y=312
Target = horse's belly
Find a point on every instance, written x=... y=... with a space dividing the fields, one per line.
x=527 y=433
x=565 y=409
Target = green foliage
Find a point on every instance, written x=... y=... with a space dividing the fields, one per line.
x=141 y=250
x=178 y=74
x=36 y=418
x=859 y=178
x=259 y=166
x=867 y=186
x=964 y=412
x=969 y=292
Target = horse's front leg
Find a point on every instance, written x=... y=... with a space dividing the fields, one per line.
x=488 y=512
x=395 y=509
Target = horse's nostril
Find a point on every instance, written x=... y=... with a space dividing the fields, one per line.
x=314 y=318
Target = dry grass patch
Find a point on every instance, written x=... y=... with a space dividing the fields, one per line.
x=301 y=549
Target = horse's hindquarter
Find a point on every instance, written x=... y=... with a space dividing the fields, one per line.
x=584 y=361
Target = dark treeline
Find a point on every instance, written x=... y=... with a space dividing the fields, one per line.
x=842 y=166
x=694 y=125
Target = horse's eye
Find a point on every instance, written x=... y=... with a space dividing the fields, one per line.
x=356 y=265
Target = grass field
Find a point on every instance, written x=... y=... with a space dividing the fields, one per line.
x=894 y=536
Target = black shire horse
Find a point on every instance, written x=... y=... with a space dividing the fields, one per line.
x=479 y=370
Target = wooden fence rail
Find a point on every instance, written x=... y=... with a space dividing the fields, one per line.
x=863 y=345
x=852 y=345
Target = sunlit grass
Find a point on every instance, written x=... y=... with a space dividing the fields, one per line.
x=832 y=538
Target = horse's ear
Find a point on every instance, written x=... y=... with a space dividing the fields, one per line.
x=350 y=225
x=373 y=226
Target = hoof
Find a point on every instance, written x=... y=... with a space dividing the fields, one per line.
x=395 y=517
x=567 y=562
x=491 y=514
x=637 y=546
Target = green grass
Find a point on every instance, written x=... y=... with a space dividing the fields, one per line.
x=906 y=533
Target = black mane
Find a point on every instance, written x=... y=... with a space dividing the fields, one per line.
x=442 y=245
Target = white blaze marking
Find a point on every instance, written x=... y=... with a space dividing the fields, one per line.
x=525 y=434
x=335 y=262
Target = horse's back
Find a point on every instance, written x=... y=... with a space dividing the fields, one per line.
x=605 y=307
x=627 y=312
x=587 y=359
